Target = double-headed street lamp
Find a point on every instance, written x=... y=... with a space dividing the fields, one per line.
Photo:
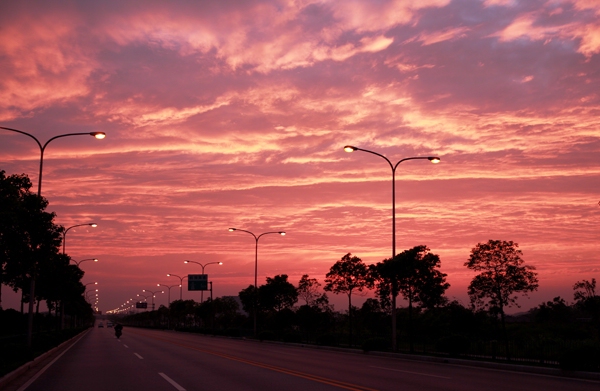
x=83 y=260
x=153 y=295
x=169 y=288
x=180 y=283
x=98 y=135
x=432 y=159
x=203 y=266
x=93 y=225
x=282 y=233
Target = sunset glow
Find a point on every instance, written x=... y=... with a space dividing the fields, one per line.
x=237 y=114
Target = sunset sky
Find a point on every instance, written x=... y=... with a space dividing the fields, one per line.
x=226 y=114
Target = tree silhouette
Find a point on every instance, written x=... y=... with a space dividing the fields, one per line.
x=308 y=289
x=277 y=294
x=584 y=290
x=347 y=276
x=502 y=274
x=413 y=274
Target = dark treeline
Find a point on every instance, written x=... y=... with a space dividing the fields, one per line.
x=553 y=333
x=30 y=245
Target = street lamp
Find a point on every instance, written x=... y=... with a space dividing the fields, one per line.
x=98 y=135
x=83 y=260
x=432 y=159
x=169 y=287
x=153 y=295
x=180 y=283
x=93 y=225
x=282 y=233
x=203 y=266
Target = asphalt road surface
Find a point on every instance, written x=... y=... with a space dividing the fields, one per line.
x=168 y=361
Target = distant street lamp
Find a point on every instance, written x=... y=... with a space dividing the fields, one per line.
x=180 y=283
x=93 y=225
x=203 y=266
x=432 y=159
x=83 y=260
x=169 y=287
x=98 y=135
x=153 y=295
x=282 y=233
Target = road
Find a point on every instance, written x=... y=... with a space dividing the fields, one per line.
x=170 y=361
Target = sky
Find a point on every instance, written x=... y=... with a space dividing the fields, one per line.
x=224 y=114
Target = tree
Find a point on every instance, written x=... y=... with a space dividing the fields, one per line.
x=584 y=290
x=414 y=274
x=308 y=289
x=28 y=235
x=347 y=276
x=502 y=275
x=277 y=294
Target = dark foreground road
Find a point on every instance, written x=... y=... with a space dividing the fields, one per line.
x=163 y=360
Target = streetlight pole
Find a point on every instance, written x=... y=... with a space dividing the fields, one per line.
x=180 y=283
x=282 y=233
x=98 y=135
x=153 y=295
x=169 y=287
x=432 y=159
x=93 y=225
x=83 y=260
x=203 y=266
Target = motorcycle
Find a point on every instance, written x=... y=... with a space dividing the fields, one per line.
x=118 y=331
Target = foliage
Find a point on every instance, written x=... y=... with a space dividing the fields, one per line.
x=502 y=273
x=277 y=294
x=346 y=276
x=584 y=290
x=413 y=274
x=308 y=289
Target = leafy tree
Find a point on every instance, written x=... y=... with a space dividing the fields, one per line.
x=308 y=289
x=347 y=276
x=28 y=235
x=277 y=294
x=584 y=290
x=502 y=275
x=413 y=274
x=248 y=298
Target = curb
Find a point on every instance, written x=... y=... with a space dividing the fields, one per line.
x=9 y=377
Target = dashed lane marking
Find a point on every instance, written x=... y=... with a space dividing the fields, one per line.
x=172 y=382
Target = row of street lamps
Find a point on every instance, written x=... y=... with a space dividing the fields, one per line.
x=97 y=135
x=101 y=135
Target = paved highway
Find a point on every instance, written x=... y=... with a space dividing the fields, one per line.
x=169 y=361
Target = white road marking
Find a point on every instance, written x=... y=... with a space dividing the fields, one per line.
x=167 y=378
x=126 y=346
x=138 y=356
x=413 y=373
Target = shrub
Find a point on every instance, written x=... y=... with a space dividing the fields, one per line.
x=327 y=340
x=380 y=344
x=266 y=336
x=585 y=357
x=454 y=345
x=292 y=337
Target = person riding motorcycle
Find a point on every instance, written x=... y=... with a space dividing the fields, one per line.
x=118 y=330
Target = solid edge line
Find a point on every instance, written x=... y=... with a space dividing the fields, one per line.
x=34 y=378
x=171 y=381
